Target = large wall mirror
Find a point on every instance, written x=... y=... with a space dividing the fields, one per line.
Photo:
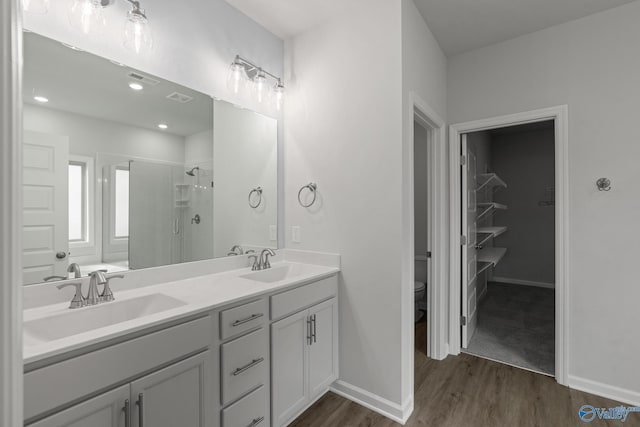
x=124 y=170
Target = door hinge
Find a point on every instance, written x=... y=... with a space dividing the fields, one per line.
x=463 y=160
x=463 y=240
x=463 y=320
x=428 y=254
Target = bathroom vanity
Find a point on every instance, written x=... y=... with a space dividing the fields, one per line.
x=234 y=349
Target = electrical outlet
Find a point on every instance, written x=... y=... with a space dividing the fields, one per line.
x=296 y=234
x=273 y=233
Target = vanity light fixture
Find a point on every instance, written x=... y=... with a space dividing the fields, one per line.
x=87 y=16
x=41 y=99
x=163 y=126
x=136 y=86
x=244 y=72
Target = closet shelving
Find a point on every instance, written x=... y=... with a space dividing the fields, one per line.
x=489 y=256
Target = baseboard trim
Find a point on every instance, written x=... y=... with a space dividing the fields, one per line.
x=605 y=390
x=522 y=282
x=391 y=410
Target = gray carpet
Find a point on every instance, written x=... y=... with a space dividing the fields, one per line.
x=516 y=326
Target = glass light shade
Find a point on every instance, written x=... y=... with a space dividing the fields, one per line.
x=260 y=87
x=87 y=16
x=277 y=96
x=237 y=79
x=137 y=34
x=35 y=6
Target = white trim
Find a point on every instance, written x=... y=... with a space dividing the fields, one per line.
x=605 y=390
x=560 y=116
x=391 y=410
x=88 y=246
x=11 y=395
x=520 y=282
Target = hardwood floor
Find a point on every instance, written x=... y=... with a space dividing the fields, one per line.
x=467 y=391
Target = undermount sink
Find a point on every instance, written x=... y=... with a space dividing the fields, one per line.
x=275 y=274
x=77 y=321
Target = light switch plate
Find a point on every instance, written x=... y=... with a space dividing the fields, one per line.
x=296 y=234
x=273 y=233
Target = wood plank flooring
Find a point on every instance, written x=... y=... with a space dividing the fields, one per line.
x=467 y=391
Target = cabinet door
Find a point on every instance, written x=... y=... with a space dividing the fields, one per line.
x=289 y=357
x=323 y=351
x=105 y=410
x=178 y=395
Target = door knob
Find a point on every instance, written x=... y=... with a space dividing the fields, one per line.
x=61 y=255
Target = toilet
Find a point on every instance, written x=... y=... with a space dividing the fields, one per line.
x=420 y=299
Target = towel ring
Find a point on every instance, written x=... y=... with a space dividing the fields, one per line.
x=257 y=190
x=311 y=187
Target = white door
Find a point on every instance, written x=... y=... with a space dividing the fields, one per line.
x=469 y=251
x=105 y=410
x=178 y=395
x=323 y=352
x=45 y=206
x=290 y=339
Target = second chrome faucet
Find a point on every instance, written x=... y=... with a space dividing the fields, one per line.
x=93 y=297
x=262 y=262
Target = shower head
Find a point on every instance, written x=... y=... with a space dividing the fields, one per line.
x=192 y=171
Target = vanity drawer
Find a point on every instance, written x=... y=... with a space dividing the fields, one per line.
x=305 y=296
x=237 y=320
x=250 y=411
x=245 y=365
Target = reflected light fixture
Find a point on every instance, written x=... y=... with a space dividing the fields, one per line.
x=136 y=86
x=35 y=6
x=243 y=72
x=163 y=126
x=41 y=99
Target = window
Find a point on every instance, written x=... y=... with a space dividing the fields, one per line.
x=121 y=203
x=78 y=208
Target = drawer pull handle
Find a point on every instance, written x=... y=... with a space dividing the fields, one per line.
x=127 y=413
x=313 y=334
x=247 y=319
x=140 y=404
x=253 y=363
x=256 y=421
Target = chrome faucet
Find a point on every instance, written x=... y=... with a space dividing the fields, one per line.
x=107 y=294
x=97 y=278
x=78 y=300
x=255 y=264
x=264 y=263
x=75 y=269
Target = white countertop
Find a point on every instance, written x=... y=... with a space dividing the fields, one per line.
x=199 y=294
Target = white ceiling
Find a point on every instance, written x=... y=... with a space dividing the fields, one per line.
x=82 y=83
x=463 y=25
x=458 y=25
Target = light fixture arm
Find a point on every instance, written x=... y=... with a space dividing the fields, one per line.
x=251 y=66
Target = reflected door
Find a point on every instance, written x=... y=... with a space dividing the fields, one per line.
x=45 y=206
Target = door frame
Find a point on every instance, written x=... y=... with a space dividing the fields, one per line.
x=419 y=111
x=559 y=114
x=11 y=398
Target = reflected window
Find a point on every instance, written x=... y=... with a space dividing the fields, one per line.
x=78 y=208
x=122 y=203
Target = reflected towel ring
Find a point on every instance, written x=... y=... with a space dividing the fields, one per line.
x=311 y=187
x=257 y=190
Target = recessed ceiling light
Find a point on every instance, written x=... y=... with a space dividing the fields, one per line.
x=163 y=126
x=136 y=86
x=41 y=99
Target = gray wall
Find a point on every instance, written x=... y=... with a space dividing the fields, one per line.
x=525 y=161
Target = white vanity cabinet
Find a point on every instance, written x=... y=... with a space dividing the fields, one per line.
x=173 y=396
x=304 y=349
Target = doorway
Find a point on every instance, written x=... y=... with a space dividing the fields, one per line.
x=508 y=188
x=466 y=296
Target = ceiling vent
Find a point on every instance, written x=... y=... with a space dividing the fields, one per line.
x=180 y=97
x=143 y=79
